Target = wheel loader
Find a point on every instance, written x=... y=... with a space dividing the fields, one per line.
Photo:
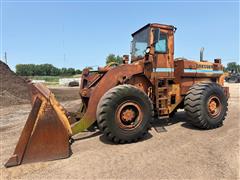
x=124 y=99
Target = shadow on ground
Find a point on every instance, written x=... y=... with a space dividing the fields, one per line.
x=158 y=124
x=103 y=139
x=179 y=117
x=93 y=134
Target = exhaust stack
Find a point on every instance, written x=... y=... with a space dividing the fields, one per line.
x=201 y=54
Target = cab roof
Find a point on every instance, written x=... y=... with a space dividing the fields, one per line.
x=156 y=25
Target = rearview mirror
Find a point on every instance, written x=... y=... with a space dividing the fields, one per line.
x=156 y=35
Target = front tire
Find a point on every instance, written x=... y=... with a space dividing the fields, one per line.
x=124 y=114
x=206 y=105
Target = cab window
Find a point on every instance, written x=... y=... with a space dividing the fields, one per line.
x=161 y=45
x=139 y=43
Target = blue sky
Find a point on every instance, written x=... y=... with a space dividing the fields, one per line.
x=78 y=34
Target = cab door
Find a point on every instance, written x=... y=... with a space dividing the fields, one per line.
x=163 y=53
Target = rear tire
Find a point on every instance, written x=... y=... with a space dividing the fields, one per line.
x=124 y=114
x=206 y=105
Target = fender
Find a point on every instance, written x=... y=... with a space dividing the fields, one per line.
x=111 y=79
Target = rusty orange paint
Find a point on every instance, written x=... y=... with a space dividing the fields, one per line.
x=46 y=133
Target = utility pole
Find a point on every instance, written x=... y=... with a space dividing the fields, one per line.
x=63 y=45
x=5 y=57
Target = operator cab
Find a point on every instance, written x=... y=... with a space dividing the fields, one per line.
x=157 y=42
x=151 y=35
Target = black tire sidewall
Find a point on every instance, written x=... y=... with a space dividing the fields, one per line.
x=129 y=94
x=208 y=93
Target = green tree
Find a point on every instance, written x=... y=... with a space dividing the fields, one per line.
x=55 y=71
x=70 y=71
x=25 y=69
x=63 y=71
x=113 y=58
x=233 y=67
x=38 y=71
x=78 y=71
x=20 y=70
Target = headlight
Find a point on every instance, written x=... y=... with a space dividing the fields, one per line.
x=147 y=51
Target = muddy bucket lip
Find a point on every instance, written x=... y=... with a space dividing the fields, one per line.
x=12 y=161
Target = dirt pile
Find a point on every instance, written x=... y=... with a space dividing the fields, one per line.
x=13 y=89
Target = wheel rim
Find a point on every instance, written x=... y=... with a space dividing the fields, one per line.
x=129 y=115
x=214 y=106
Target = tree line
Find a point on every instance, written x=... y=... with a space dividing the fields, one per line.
x=233 y=67
x=50 y=70
x=44 y=70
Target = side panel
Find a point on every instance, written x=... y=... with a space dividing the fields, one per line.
x=189 y=72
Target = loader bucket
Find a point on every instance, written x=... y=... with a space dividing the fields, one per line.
x=46 y=133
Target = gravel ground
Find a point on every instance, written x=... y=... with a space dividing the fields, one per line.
x=182 y=152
